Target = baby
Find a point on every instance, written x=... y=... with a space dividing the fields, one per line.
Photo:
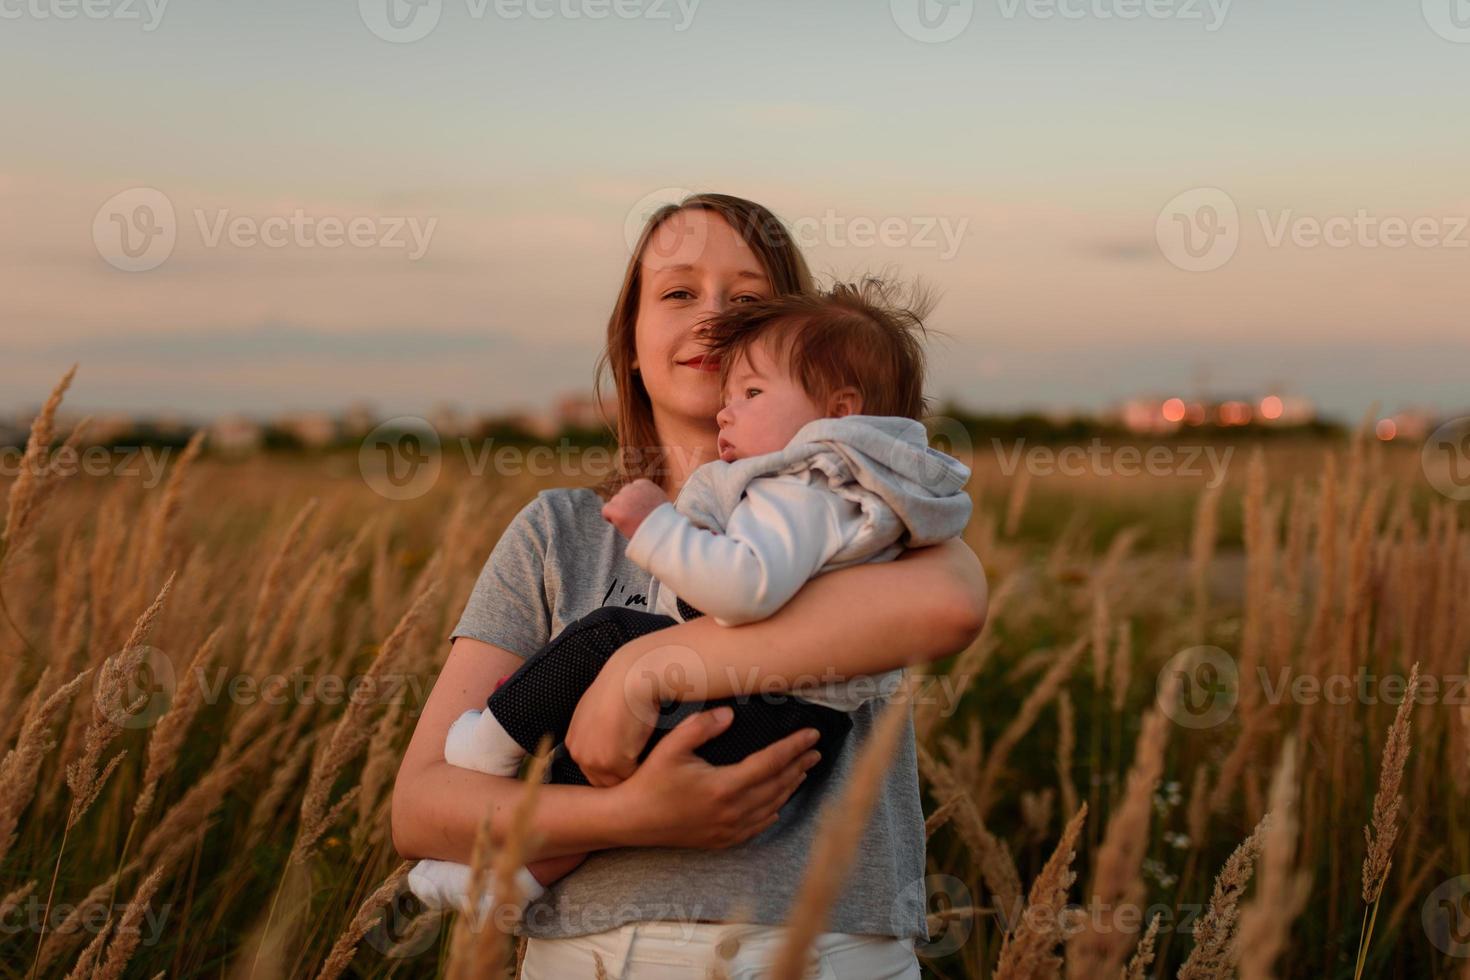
x=805 y=484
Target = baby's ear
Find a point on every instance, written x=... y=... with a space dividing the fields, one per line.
x=845 y=401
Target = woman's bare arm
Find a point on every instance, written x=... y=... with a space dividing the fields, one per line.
x=676 y=799
x=924 y=605
x=437 y=807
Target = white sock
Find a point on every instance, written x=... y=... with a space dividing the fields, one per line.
x=446 y=885
x=477 y=741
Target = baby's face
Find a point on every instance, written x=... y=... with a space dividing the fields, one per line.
x=763 y=407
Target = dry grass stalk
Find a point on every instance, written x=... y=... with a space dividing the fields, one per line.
x=285 y=779
x=1016 y=505
x=1029 y=950
x=991 y=856
x=109 y=712
x=1201 y=553
x=1100 y=947
x=22 y=764
x=126 y=936
x=1100 y=630
x=1213 y=956
x=1384 y=829
x=843 y=823
x=268 y=599
x=345 y=948
x=160 y=541
x=1122 y=664
x=165 y=854
x=1143 y=956
x=1025 y=717
x=1382 y=833
x=378 y=772
x=1066 y=746
x=1281 y=893
x=27 y=493
x=173 y=728
x=477 y=947
x=351 y=734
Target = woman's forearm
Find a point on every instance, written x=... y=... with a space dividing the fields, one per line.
x=437 y=814
x=863 y=620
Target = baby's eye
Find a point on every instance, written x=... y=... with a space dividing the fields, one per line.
x=749 y=390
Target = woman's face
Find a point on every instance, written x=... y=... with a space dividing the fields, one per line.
x=694 y=266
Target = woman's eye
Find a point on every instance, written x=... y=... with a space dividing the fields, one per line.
x=678 y=294
x=747 y=299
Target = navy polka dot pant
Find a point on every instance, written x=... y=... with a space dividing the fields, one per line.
x=540 y=697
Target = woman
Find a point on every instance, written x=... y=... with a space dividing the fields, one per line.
x=692 y=860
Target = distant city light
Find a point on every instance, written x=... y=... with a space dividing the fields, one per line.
x=1234 y=413
x=1386 y=429
x=1173 y=410
x=1271 y=407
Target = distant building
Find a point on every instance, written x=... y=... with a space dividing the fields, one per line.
x=542 y=425
x=581 y=411
x=449 y=421
x=315 y=430
x=235 y=435
x=358 y=419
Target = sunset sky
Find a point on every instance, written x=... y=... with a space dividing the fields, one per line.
x=1025 y=166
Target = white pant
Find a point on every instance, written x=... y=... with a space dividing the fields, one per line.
x=670 y=950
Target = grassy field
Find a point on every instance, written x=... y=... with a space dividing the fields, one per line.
x=189 y=792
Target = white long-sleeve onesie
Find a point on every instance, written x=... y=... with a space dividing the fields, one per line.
x=782 y=533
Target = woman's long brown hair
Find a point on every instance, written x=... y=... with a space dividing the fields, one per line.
x=638 y=452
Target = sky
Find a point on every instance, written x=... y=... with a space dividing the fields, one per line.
x=274 y=206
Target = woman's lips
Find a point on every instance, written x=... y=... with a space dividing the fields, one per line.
x=702 y=364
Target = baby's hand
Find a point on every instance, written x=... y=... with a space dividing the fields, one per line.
x=630 y=505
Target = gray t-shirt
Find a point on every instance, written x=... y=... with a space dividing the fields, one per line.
x=558 y=561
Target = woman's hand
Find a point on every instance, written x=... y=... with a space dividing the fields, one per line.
x=612 y=723
x=676 y=799
x=630 y=505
